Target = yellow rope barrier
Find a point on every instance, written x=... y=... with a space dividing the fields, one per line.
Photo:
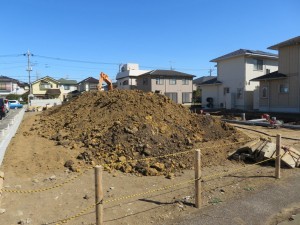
x=116 y=163
x=123 y=198
x=44 y=189
x=155 y=190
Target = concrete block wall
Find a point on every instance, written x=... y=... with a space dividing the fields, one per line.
x=9 y=132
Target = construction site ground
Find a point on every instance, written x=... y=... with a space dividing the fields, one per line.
x=25 y=170
x=35 y=163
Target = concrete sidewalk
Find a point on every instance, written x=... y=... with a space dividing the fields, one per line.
x=255 y=209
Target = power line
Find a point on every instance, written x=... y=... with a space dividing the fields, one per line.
x=11 y=55
x=96 y=62
x=78 y=61
x=111 y=63
x=12 y=67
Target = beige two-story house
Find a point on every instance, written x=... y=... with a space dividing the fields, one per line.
x=46 y=88
x=280 y=91
x=232 y=89
x=176 y=85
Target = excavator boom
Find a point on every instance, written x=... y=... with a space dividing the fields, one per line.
x=104 y=77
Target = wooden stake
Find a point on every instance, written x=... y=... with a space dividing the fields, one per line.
x=278 y=158
x=198 y=178
x=99 y=195
x=1 y=184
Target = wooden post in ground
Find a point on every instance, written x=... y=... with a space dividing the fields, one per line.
x=278 y=158
x=198 y=199
x=99 y=195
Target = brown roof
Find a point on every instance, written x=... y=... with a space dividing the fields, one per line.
x=53 y=92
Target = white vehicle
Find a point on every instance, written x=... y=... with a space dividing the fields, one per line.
x=7 y=104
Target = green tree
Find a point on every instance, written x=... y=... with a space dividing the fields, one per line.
x=197 y=96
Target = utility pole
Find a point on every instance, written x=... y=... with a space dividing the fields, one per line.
x=29 y=69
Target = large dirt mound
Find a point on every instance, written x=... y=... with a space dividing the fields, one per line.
x=119 y=126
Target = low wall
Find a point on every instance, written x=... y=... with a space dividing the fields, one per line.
x=8 y=133
x=44 y=102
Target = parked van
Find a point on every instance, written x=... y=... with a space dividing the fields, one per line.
x=2 y=108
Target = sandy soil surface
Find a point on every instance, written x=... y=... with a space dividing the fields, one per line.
x=33 y=162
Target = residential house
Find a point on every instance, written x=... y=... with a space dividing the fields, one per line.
x=12 y=86
x=126 y=78
x=232 y=88
x=279 y=91
x=197 y=91
x=176 y=85
x=200 y=80
x=88 y=84
x=46 y=88
x=66 y=86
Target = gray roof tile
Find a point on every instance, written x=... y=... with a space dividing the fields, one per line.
x=270 y=76
x=292 y=41
x=242 y=52
x=167 y=73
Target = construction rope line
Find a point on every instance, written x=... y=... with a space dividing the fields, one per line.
x=114 y=163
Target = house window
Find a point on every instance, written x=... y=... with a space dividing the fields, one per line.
x=125 y=82
x=283 y=88
x=172 y=81
x=145 y=81
x=66 y=87
x=45 y=85
x=264 y=92
x=172 y=96
x=268 y=71
x=186 y=97
x=5 y=86
x=185 y=82
x=159 y=81
x=258 y=64
x=239 y=93
x=226 y=90
x=93 y=86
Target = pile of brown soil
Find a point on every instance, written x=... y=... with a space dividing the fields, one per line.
x=112 y=128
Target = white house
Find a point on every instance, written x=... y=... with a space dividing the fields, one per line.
x=126 y=78
x=66 y=86
x=12 y=86
x=231 y=89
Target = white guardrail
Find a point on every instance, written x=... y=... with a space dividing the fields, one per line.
x=9 y=132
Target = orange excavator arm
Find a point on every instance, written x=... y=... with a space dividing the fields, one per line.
x=104 y=77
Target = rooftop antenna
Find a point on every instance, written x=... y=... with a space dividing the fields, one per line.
x=171 y=67
x=210 y=71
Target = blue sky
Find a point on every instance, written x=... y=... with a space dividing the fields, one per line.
x=157 y=34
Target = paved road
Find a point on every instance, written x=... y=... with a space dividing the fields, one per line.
x=255 y=209
x=7 y=119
